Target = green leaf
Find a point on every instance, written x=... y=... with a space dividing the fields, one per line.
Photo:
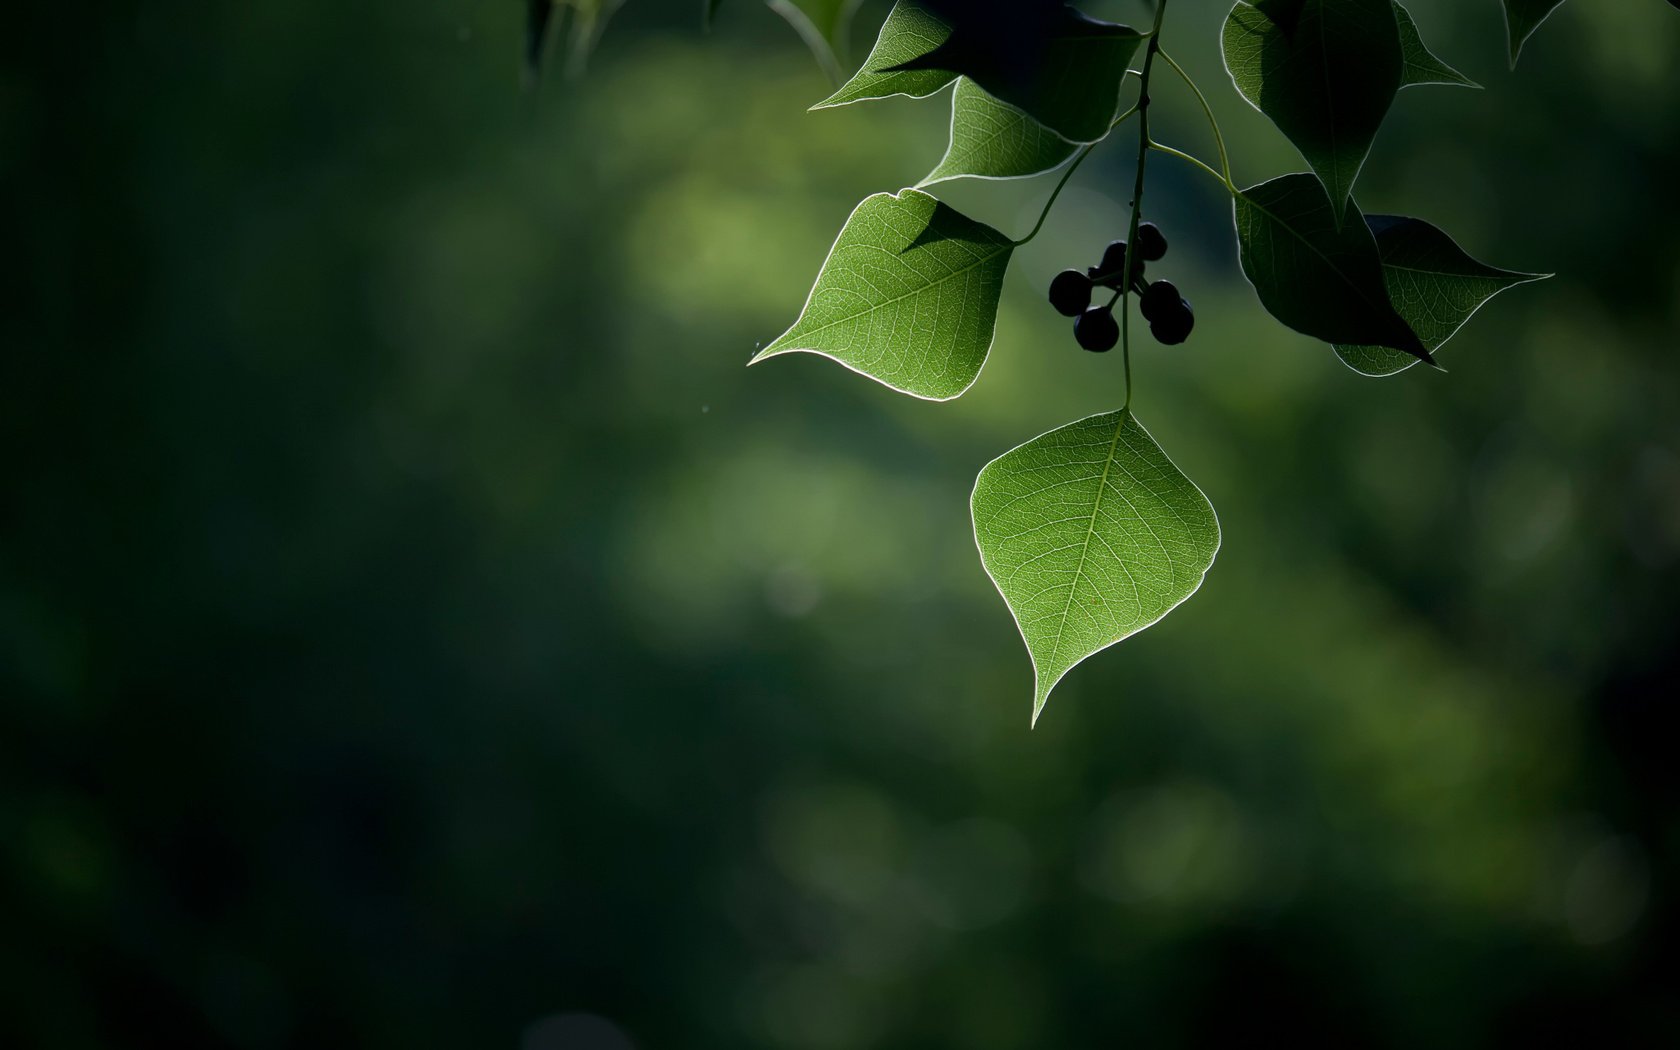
x=1324 y=71
x=824 y=25
x=1321 y=277
x=994 y=140
x=1433 y=284
x=1090 y=534
x=908 y=33
x=709 y=13
x=1062 y=68
x=1056 y=64
x=1422 y=67
x=908 y=296
x=1522 y=18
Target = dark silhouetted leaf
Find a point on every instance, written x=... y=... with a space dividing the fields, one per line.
x=1319 y=277
x=1059 y=66
x=1422 y=67
x=1433 y=284
x=1523 y=17
x=1324 y=71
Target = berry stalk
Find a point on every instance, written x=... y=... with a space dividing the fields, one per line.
x=1154 y=49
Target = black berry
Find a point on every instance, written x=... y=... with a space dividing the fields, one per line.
x=1114 y=257
x=1158 y=299
x=1070 y=293
x=1114 y=264
x=1151 y=243
x=1172 y=326
x=1097 y=330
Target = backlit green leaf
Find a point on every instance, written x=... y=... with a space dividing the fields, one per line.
x=1522 y=18
x=1422 y=67
x=908 y=296
x=1090 y=534
x=994 y=140
x=1319 y=279
x=1324 y=71
x=908 y=33
x=1433 y=284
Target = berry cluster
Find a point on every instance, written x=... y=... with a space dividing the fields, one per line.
x=1168 y=313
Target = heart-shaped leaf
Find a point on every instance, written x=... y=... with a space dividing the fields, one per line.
x=994 y=140
x=1422 y=67
x=1522 y=18
x=908 y=296
x=1090 y=534
x=1433 y=284
x=1324 y=71
x=1321 y=277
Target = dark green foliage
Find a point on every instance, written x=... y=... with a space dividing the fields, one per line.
x=1037 y=85
x=1316 y=267
x=1058 y=65
x=1324 y=71
x=1422 y=65
x=1433 y=284
x=911 y=288
x=1522 y=18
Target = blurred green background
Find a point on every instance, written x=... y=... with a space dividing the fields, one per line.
x=420 y=629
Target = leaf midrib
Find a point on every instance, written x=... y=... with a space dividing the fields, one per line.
x=1090 y=530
